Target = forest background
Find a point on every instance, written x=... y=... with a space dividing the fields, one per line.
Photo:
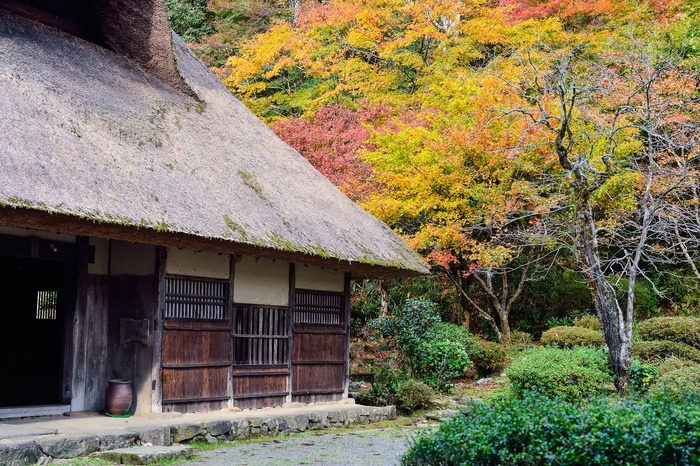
x=541 y=155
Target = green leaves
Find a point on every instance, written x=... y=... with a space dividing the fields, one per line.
x=540 y=431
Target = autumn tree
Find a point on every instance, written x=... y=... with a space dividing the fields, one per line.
x=461 y=206
x=623 y=122
x=332 y=139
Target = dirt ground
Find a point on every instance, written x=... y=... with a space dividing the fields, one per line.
x=337 y=447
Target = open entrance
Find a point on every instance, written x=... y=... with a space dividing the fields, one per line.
x=36 y=295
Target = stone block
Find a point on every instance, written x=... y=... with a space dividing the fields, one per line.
x=19 y=453
x=184 y=432
x=113 y=441
x=160 y=436
x=61 y=446
x=240 y=428
x=217 y=428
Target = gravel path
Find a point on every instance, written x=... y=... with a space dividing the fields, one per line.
x=376 y=446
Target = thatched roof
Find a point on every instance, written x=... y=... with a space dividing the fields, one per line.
x=92 y=144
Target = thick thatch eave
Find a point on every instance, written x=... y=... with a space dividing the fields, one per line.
x=91 y=144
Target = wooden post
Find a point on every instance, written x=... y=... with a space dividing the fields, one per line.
x=75 y=349
x=290 y=328
x=156 y=379
x=229 y=313
x=346 y=306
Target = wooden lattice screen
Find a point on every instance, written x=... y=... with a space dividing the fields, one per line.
x=318 y=308
x=188 y=298
x=196 y=344
x=260 y=335
x=46 y=305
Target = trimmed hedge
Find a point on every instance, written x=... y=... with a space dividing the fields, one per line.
x=488 y=357
x=570 y=374
x=662 y=349
x=413 y=394
x=676 y=384
x=589 y=322
x=567 y=337
x=539 y=431
x=682 y=329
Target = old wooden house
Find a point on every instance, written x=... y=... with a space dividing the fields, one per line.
x=152 y=229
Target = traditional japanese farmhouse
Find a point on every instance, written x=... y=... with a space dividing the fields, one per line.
x=152 y=229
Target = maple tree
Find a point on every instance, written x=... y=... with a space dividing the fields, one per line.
x=623 y=123
x=332 y=140
x=512 y=132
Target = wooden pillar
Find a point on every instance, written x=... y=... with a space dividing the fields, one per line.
x=290 y=328
x=346 y=305
x=75 y=347
x=156 y=379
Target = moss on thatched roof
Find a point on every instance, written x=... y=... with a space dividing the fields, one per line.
x=88 y=135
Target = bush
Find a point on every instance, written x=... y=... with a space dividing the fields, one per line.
x=677 y=384
x=385 y=385
x=427 y=349
x=538 y=431
x=566 y=337
x=672 y=364
x=642 y=376
x=683 y=329
x=190 y=18
x=571 y=374
x=587 y=321
x=438 y=361
x=413 y=394
x=488 y=357
x=662 y=349
x=521 y=339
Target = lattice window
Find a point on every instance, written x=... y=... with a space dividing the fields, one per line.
x=318 y=307
x=195 y=298
x=260 y=335
x=46 y=305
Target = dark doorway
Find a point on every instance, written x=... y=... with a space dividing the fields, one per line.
x=35 y=295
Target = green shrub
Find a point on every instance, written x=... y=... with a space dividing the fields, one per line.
x=539 y=431
x=427 y=349
x=438 y=361
x=672 y=364
x=587 y=321
x=452 y=332
x=385 y=385
x=521 y=339
x=642 y=376
x=683 y=329
x=662 y=349
x=566 y=337
x=413 y=394
x=571 y=374
x=488 y=357
x=677 y=384
x=190 y=18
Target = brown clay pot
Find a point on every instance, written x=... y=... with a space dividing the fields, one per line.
x=118 y=397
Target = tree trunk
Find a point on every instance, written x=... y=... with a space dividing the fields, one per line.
x=608 y=309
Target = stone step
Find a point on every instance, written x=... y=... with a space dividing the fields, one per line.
x=146 y=454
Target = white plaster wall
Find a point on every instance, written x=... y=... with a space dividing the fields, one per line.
x=261 y=281
x=101 y=264
x=316 y=278
x=198 y=264
x=37 y=234
x=132 y=258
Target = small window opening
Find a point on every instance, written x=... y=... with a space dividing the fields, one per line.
x=47 y=305
x=260 y=335
x=194 y=298
x=318 y=308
